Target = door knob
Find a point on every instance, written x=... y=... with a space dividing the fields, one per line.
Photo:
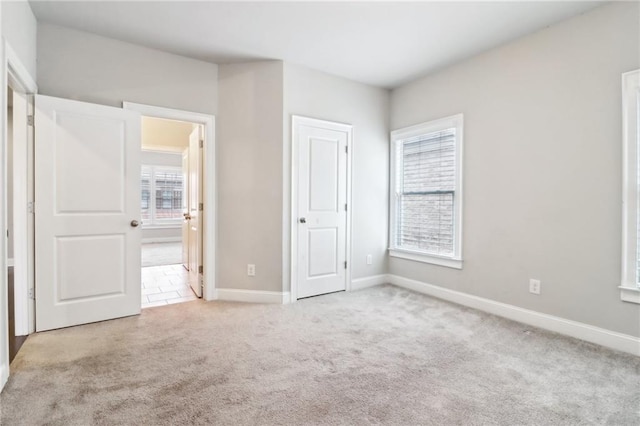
x=135 y=223
x=303 y=220
x=187 y=216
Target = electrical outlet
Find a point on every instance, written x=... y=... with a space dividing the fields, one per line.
x=251 y=270
x=534 y=286
x=369 y=259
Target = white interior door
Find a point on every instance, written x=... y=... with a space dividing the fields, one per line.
x=195 y=212
x=87 y=194
x=322 y=204
x=185 y=208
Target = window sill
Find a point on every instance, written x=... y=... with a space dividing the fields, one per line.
x=630 y=294
x=426 y=258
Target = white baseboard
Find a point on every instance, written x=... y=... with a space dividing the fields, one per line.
x=366 y=282
x=161 y=240
x=253 y=296
x=600 y=336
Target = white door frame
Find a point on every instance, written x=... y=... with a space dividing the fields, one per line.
x=14 y=73
x=208 y=178
x=21 y=82
x=295 y=121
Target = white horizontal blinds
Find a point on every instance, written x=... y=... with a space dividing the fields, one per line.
x=426 y=192
x=145 y=186
x=168 y=194
x=161 y=195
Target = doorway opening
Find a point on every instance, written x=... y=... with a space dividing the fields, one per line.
x=204 y=270
x=171 y=206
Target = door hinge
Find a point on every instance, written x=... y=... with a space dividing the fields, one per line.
x=200 y=269
x=29 y=120
x=32 y=294
x=201 y=206
x=345 y=264
x=201 y=143
x=345 y=207
x=31 y=206
x=346 y=149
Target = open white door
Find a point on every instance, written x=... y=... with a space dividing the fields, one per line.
x=185 y=209
x=321 y=206
x=195 y=212
x=87 y=195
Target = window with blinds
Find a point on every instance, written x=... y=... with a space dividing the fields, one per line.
x=426 y=188
x=161 y=195
x=425 y=192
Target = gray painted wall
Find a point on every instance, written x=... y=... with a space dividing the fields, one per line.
x=542 y=167
x=254 y=140
x=78 y=65
x=319 y=95
x=249 y=153
x=154 y=235
x=19 y=28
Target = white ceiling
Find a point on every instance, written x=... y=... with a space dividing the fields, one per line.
x=380 y=43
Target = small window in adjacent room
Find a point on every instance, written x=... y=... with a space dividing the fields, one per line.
x=630 y=286
x=161 y=195
x=426 y=192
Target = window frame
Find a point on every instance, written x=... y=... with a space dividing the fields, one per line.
x=398 y=136
x=153 y=222
x=629 y=287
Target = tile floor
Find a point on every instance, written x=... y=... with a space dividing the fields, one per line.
x=163 y=285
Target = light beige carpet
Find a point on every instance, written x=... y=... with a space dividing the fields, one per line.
x=378 y=356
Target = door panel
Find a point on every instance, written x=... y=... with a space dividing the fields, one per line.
x=87 y=186
x=323 y=252
x=105 y=273
x=89 y=164
x=323 y=179
x=322 y=198
x=195 y=214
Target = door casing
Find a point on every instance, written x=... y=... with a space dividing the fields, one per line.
x=21 y=82
x=208 y=176
x=297 y=121
x=15 y=74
